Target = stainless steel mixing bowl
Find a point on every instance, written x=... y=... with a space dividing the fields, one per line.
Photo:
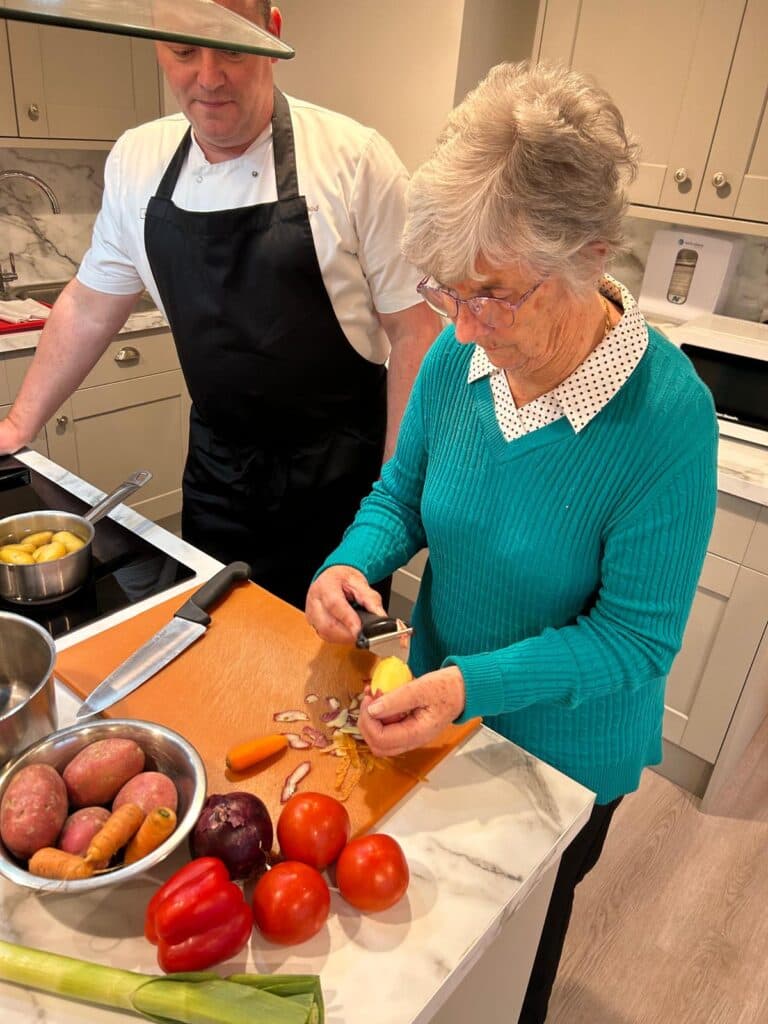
x=165 y=751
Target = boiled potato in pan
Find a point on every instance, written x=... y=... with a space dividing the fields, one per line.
x=44 y=546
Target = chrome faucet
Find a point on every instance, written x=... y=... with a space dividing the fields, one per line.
x=7 y=276
x=33 y=179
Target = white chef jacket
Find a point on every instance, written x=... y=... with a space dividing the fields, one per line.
x=351 y=177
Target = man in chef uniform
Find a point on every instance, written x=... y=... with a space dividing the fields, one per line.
x=268 y=231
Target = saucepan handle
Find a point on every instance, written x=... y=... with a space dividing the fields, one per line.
x=133 y=483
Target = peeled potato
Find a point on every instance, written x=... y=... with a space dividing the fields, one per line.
x=37 y=539
x=49 y=552
x=12 y=554
x=70 y=540
x=389 y=674
x=29 y=548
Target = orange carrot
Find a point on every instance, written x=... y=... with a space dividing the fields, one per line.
x=52 y=863
x=244 y=755
x=155 y=828
x=119 y=827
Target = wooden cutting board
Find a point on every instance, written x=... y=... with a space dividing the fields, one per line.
x=259 y=656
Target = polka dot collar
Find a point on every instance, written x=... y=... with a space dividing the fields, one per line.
x=590 y=387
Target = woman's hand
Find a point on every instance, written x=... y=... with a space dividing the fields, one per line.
x=428 y=704
x=328 y=609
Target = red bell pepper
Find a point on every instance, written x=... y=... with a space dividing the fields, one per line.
x=198 y=918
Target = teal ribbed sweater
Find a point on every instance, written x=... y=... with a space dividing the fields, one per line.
x=562 y=566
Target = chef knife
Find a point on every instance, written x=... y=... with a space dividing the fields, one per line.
x=383 y=635
x=187 y=625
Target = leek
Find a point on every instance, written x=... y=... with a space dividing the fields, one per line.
x=197 y=998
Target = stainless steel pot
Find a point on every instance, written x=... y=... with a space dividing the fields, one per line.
x=50 y=581
x=27 y=700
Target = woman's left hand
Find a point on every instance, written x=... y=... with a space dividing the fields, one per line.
x=421 y=710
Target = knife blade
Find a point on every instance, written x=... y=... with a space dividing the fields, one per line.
x=382 y=634
x=188 y=624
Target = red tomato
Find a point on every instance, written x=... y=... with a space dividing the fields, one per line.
x=290 y=903
x=372 y=872
x=313 y=828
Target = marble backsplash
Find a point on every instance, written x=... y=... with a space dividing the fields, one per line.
x=49 y=247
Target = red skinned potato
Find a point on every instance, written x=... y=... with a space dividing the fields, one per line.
x=98 y=771
x=33 y=810
x=80 y=828
x=148 y=790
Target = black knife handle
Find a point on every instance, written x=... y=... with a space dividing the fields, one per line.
x=373 y=625
x=196 y=608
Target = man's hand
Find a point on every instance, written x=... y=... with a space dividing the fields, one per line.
x=80 y=326
x=428 y=704
x=328 y=607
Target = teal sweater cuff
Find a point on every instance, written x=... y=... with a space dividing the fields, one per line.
x=483 y=685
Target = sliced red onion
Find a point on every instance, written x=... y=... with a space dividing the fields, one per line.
x=311 y=698
x=296 y=741
x=316 y=738
x=350 y=730
x=290 y=784
x=340 y=719
x=291 y=716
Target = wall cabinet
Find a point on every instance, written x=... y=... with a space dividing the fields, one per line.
x=131 y=412
x=62 y=83
x=691 y=80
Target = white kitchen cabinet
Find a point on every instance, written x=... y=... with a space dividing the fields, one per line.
x=691 y=80
x=717 y=692
x=74 y=84
x=8 y=124
x=131 y=412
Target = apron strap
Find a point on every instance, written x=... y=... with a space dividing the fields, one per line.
x=286 y=177
x=172 y=171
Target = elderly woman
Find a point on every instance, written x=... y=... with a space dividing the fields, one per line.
x=557 y=458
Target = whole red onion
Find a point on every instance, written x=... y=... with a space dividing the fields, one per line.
x=236 y=828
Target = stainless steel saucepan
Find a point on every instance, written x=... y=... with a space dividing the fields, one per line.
x=44 y=582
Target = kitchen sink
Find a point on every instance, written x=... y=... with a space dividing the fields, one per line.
x=51 y=291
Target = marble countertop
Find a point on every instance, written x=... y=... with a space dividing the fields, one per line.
x=478 y=835
x=742 y=470
x=20 y=341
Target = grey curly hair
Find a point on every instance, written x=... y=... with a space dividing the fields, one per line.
x=530 y=168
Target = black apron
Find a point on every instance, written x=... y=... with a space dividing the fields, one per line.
x=288 y=420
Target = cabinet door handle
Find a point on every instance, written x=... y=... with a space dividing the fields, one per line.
x=62 y=421
x=681 y=175
x=33 y=112
x=128 y=354
x=719 y=180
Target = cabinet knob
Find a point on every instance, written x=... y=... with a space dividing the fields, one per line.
x=127 y=354
x=681 y=175
x=719 y=180
x=33 y=112
x=62 y=421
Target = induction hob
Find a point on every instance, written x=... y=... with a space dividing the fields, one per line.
x=125 y=568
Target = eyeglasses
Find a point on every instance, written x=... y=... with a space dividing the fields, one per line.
x=489 y=311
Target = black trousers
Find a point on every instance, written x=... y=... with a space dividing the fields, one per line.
x=577 y=861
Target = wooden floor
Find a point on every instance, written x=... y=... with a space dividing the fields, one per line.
x=671 y=927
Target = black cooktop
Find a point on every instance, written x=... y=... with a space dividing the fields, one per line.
x=125 y=567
